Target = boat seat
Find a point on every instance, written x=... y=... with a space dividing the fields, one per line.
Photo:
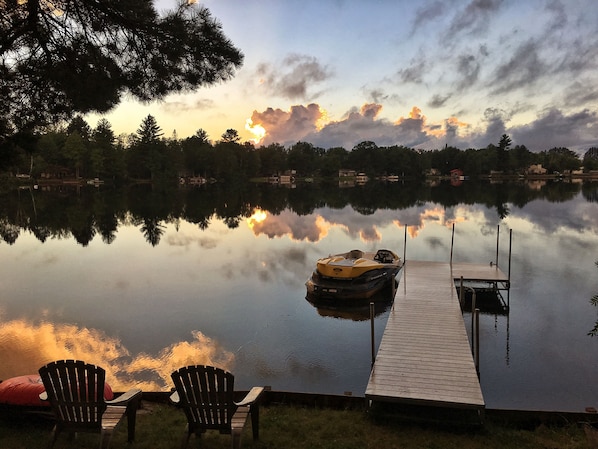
x=384 y=256
x=355 y=254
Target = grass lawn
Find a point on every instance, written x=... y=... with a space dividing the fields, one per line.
x=161 y=426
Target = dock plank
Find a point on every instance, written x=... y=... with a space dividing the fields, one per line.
x=424 y=356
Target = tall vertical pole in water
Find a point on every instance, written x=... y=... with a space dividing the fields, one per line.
x=452 y=240
x=372 y=333
x=497 y=237
x=405 y=245
x=477 y=341
x=510 y=245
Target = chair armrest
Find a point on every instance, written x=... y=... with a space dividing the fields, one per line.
x=251 y=397
x=123 y=399
x=174 y=397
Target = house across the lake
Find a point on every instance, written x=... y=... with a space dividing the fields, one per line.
x=536 y=169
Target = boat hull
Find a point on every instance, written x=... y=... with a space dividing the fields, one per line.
x=363 y=287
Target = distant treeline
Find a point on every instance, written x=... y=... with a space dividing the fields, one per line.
x=78 y=151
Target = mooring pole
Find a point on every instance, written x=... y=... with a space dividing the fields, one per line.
x=372 y=333
x=452 y=241
x=461 y=293
x=477 y=342
x=510 y=245
x=497 y=238
x=473 y=309
x=405 y=245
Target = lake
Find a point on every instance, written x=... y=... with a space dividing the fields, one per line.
x=142 y=281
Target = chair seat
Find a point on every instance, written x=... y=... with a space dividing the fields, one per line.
x=240 y=419
x=112 y=416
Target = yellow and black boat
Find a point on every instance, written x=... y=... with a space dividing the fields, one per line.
x=353 y=275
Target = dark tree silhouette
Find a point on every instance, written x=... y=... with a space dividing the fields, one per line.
x=65 y=57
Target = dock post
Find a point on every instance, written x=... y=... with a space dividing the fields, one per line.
x=473 y=309
x=510 y=245
x=372 y=333
x=405 y=245
x=461 y=294
x=497 y=238
x=452 y=240
x=477 y=342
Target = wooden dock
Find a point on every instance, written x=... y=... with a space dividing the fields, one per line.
x=425 y=357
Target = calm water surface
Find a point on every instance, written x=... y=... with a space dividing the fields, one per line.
x=235 y=296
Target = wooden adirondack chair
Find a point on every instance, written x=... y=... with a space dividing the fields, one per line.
x=75 y=390
x=206 y=395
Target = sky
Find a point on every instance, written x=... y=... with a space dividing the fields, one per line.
x=423 y=74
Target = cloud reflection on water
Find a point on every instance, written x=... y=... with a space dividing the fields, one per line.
x=26 y=346
x=316 y=226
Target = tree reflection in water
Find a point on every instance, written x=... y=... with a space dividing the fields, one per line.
x=83 y=212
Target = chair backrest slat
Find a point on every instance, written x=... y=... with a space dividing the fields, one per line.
x=76 y=392
x=206 y=395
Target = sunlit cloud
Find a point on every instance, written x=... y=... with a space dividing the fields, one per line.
x=310 y=228
x=288 y=127
x=433 y=215
x=256 y=129
x=257 y=217
x=202 y=350
x=311 y=124
x=25 y=346
x=315 y=227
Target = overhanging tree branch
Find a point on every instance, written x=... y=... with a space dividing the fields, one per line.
x=75 y=56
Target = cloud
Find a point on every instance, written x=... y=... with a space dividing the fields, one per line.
x=438 y=101
x=184 y=240
x=301 y=124
x=415 y=72
x=495 y=124
x=294 y=81
x=428 y=13
x=581 y=92
x=288 y=127
x=468 y=67
x=303 y=228
x=524 y=68
x=559 y=13
x=556 y=129
x=474 y=18
x=553 y=127
x=176 y=107
x=377 y=95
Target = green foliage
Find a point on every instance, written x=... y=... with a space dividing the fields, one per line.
x=590 y=159
x=560 y=159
